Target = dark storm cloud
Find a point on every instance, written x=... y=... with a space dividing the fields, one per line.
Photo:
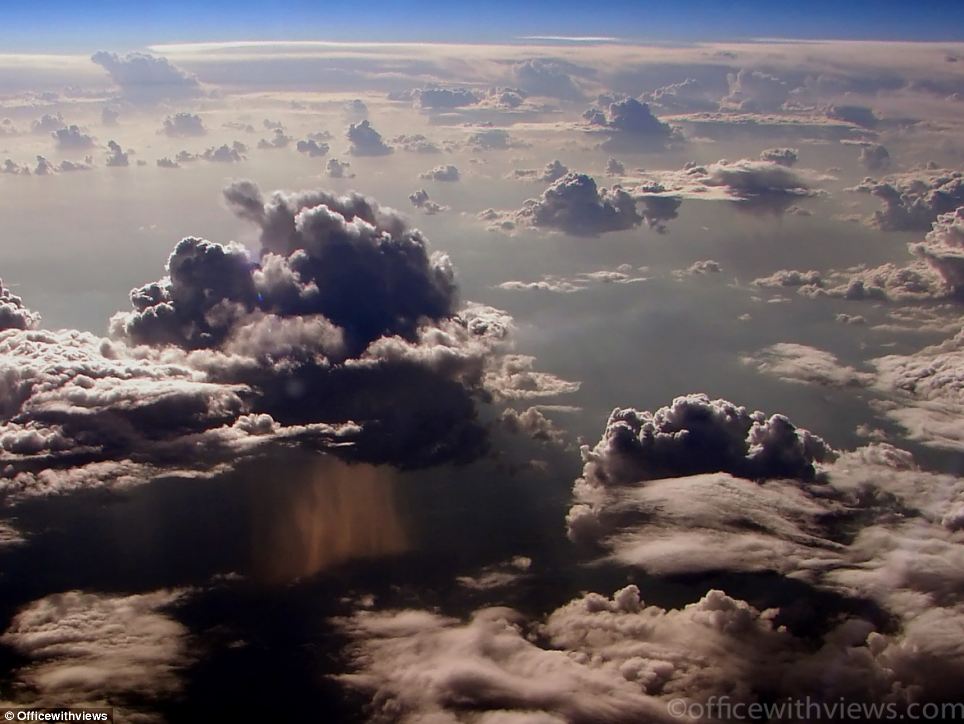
x=227 y=354
x=366 y=141
x=415 y=143
x=144 y=77
x=180 y=125
x=694 y=435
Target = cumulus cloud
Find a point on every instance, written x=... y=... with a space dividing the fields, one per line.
x=444 y=98
x=48 y=123
x=13 y=313
x=312 y=148
x=415 y=143
x=574 y=204
x=755 y=91
x=544 y=77
x=337 y=169
x=631 y=125
x=144 y=77
x=553 y=171
x=783 y=156
x=420 y=200
x=447 y=172
x=366 y=141
x=116 y=156
x=72 y=138
x=874 y=157
x=181 y=125
x=279 y=139
x=913 y=200
x=493 y=139
x=229 y=353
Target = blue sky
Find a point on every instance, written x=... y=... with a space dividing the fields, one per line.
x=69 y=25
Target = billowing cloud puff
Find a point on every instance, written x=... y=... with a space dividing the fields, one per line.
x=553 y=171
x=312 y=148
x=72 y=137
x=549 y=78
x=914 y=199
x=698 y=435
x=420 y=200
x=144 y=77
x=755 y=91
x=13 y=313
x=575 y=205
x=943 y=249
x=279 y=139
x=48 y=123
x=221 y=154
x=365 y=140
x=322 y=236
x=782 y=156
x=337 y=169
x=116 y=156
x=754 y=186
x=180 y=125
x=630 y=125
x=447 y=172
x=874 y=157
x=415 y=143
x=444 y=98
x=493 y=139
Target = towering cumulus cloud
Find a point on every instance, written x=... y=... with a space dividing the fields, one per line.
x=144 y=77
x=344 y=327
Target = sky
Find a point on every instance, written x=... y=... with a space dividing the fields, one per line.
x=124 y=25
x=532 y=364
